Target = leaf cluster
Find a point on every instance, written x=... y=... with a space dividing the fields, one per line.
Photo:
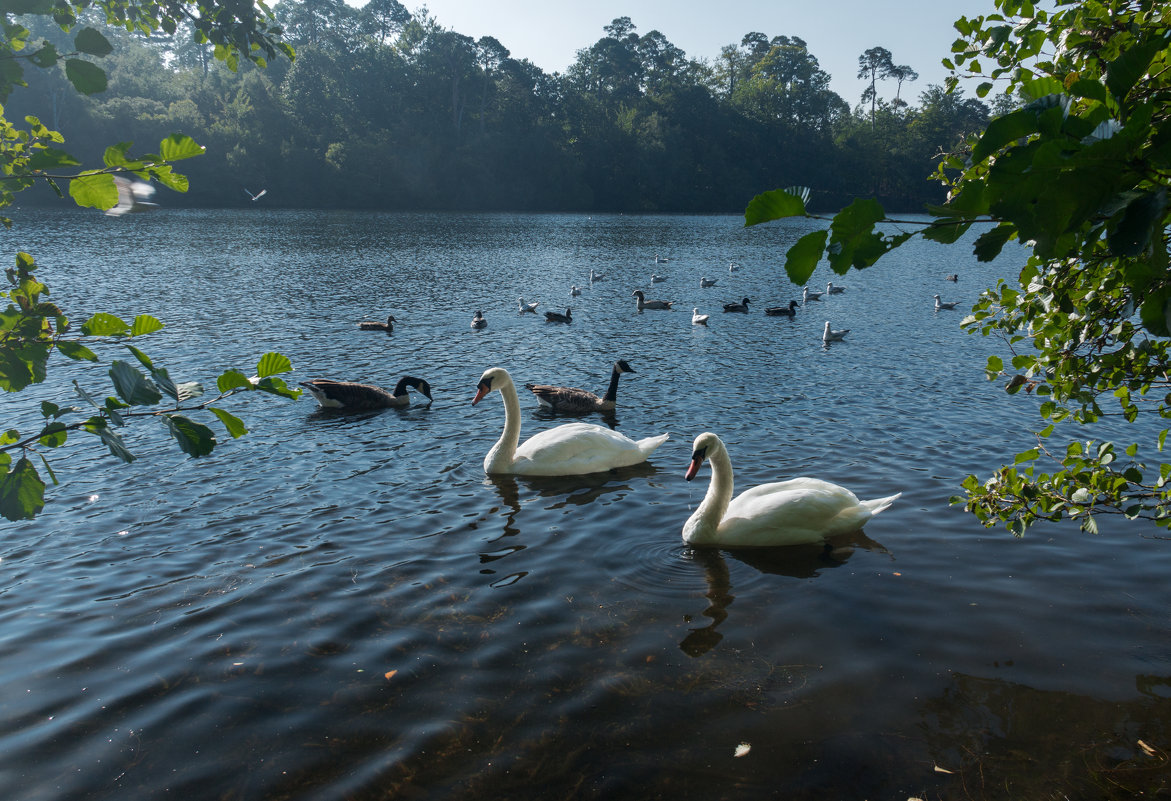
x=1079 y=175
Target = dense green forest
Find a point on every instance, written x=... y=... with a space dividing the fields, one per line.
x=387 y=109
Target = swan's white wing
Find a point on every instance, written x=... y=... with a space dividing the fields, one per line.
x=790 y=512
x=574 y=449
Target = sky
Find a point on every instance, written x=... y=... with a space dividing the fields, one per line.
x=918 y=33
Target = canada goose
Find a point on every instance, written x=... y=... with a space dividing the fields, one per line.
x=351 y=395
x=557 y=317
x=783 y=311
x=800 y=510
x=568 y=450
x=571 y=399
x=643 y=303
x=371 y=325
x=737 y=307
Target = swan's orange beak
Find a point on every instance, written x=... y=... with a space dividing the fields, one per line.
x=482 y=389
x=696 y=461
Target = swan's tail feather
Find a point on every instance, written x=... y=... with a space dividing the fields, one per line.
x=880 y=504
x=650 y=444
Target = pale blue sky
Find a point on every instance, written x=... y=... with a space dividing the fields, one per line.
x=918 y=33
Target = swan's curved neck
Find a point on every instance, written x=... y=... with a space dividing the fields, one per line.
x=703 y=524
x=503 y=453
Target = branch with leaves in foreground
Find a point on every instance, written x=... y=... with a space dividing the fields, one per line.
x=1079 y=175
x=32 y=328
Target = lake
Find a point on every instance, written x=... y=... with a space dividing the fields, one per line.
x=343 y=606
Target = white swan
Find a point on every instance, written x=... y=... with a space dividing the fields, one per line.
x=572 y=449
x=800 y=510
x=697 y=318
x=833 y=334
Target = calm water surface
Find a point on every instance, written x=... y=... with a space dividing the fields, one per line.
x=344 y=607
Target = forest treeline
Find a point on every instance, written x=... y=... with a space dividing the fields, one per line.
x=387 y=109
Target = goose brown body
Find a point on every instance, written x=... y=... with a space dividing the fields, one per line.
x=352 y=395
x=580 y=401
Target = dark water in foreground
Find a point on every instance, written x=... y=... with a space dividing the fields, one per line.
x=343 y=607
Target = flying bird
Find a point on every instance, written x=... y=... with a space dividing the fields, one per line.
x=257 y=196
x=131 y=197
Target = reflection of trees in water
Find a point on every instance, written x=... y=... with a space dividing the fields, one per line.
x=1004 y=740
x=796 y=561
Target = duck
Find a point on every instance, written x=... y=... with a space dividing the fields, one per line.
x=833 y=335
x=953 y=277
x=944 y=304
x=697 y=318
x=807 y=296
x=798 y=511
x=571 y=449
x=132 y=197
x=478 y=320
x=643 y=303
x=558 y=317
x=705 y=282
x=574 y=291
x=657 y=279
x=830 y=289
x=737 y=307
x=783 y=311
x=576 y=401
x=374 y=325
x=350 y=395
x=527 y=307
x=733 y=266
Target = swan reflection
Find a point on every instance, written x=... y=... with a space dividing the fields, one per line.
x=796 y=561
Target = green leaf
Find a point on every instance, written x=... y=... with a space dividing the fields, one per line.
x=91 y=42
x=1156 y=312
x=114 y=443
x=22 y=492
x=76 y=351
x=177 y=147
x=145 y=324
x=774 y=205
x=87 y=78
x=1004 y=130
x=104 y=325
x=53 y=435
x=802 y=258
x=51 y=158
x=132 y=386
x=1142 y=217
x=194 y=438
x=273 y=364
x=989 y=244
x=94 y=190
x=233 y=424
x=232 y=379
x=1124 y=72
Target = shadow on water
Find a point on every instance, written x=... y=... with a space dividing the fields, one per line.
x=795 y=561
